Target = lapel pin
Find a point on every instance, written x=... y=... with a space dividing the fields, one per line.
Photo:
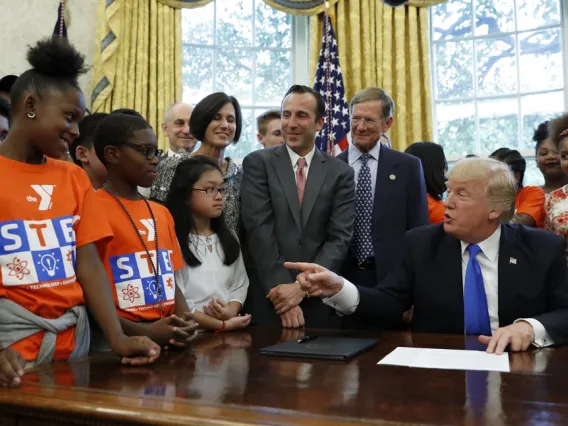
x=392 y=177
x=512 y=260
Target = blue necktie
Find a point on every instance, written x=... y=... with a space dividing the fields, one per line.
x=476 y=314
x=363 y=212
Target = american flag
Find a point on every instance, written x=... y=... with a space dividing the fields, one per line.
x=329 y=82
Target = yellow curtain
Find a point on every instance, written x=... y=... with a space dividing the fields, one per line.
x=381 y=46
x=138 y=57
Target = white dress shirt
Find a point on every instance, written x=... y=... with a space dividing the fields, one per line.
x=212 y=278
x=354 y=157
x=171 y=153
x=295 y=157
x=347 y=300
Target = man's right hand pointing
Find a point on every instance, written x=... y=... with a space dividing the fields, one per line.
x=316 y=280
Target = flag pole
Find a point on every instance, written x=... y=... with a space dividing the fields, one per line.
x=327 y=70
x=61 y=17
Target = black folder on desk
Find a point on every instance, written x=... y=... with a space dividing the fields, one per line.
x=322 y=347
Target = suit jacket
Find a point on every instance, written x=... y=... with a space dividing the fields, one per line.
x=400 y=204
x=430 y=278
x=277 y=229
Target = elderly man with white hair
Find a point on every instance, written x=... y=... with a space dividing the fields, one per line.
x=475 y=274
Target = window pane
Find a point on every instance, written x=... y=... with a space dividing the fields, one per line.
x=494 y=16
x=456 y=127
x=197 y=24
x=272 y=27
x=197 y=73
x=273 y=76
x=533 y=176
x=498 y=124
x=538 y=108
x=234 y=22
x=234 y=73
x=541 y=60
x=536 y=13
x=454 y=61
x=496 y=66
x=451 y=19
x=246 y=142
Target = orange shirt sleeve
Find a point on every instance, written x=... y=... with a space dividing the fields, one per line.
x=530 y=200
x=436 y=210
x=92 y=224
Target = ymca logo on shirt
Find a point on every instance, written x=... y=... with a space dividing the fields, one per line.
x=135 y=282
x=37 y=251
x=45 y=193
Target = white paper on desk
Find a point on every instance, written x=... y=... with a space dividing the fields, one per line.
x=447 y=359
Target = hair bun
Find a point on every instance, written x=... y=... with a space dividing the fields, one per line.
x=56 y=57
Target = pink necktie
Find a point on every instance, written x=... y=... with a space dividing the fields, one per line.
x=301 y=179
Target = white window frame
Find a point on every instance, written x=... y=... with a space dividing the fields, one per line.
x=529 y=154
x=299 y=59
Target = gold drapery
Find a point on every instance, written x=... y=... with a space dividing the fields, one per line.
x=185 y=4
x=293 y=7
x=381 y=46
x=300 y=7
x=138 y=57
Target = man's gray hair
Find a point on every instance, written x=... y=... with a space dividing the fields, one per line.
x=501 y=188
x=168 y=113
x=374 y=94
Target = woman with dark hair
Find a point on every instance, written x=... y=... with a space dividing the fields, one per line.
x=529 y=202
x=556 y=206
x=435 y=166
x=214 y=279
x=216 y=121
x=548 y=160
x=50 y=222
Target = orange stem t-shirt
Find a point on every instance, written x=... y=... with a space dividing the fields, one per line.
x=48 y=211
x=137 y=296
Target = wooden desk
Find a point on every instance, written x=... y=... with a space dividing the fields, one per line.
x=223 y=380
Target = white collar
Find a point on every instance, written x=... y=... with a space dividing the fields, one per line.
x=354 y=153
x=489 y=246
x=294 y=157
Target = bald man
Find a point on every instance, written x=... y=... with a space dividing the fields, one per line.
x=176 y=129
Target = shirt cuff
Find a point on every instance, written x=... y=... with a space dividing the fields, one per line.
x=346 y=301
x=541 y=337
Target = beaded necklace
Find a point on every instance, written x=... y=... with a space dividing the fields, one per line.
x=156 y=266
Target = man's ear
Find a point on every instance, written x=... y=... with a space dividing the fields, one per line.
x=259 y=137
x=112 y=154
x=165 y=129
x=81 y=154
x=320 y=123
x=388 y=124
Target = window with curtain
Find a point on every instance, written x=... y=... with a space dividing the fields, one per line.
x=243 y=48
x=497 y=73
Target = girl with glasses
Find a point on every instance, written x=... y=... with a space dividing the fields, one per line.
x=214 y=277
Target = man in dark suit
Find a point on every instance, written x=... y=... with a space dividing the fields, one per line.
x=390 y=194
x=474 y=274
x=297 y=205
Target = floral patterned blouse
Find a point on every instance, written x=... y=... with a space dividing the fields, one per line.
x=232 y=210
x=556 y=214
x=233 y=178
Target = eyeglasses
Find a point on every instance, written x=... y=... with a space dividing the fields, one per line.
x=149 y=151
x=368 y=121
x=211 y=191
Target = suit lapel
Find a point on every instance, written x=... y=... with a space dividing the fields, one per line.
x=510 y=267
x=285 y=173
x=316 y=176
x=384 y=184
x=450 y=265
